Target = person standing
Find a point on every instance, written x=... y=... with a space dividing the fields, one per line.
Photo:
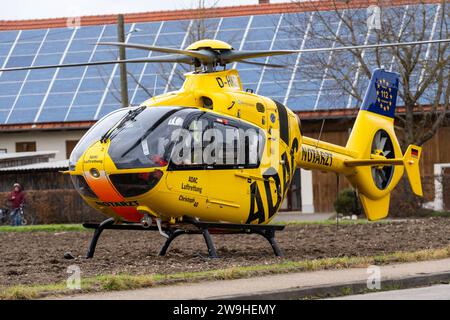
x=17 y=199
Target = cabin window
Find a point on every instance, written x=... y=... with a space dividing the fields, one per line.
x=216 y=142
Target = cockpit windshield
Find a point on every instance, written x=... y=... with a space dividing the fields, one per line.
x=95 y=133
x=139 y=136
x=145 y=139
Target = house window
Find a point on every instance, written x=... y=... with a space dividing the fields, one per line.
x=3 y=151
x=70 y=145
x=26 y=146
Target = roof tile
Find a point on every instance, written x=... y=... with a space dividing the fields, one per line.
x=259 y=9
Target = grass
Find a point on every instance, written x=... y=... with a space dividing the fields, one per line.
x=128 y=281
x=79 y=227
x=331 y=221
x=44 y=228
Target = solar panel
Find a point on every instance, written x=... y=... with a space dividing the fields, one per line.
x=63 y=86
x=89 y=32
x=234 y=23
x=10 y=88
x=87 y=93
x=53 y=114
x=35 y=87
x=8 y=36
x=80 y=113
x=20 y=115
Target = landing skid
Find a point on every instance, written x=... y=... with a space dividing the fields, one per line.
x=204 y=228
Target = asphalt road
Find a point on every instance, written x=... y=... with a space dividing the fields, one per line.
x=437 y=292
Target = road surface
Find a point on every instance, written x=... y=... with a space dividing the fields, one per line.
x=436 y=292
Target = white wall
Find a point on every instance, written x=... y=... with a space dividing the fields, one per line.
x=45 y=140
x=307 y=191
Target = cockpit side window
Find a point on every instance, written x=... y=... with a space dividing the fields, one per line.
x=216 y=142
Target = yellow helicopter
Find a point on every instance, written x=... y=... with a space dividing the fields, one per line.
x=216 y=157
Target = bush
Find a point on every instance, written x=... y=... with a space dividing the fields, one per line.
x=346 y=203
x=56 y=206
x=404 y=203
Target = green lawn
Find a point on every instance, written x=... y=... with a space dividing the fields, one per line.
x=79 y=227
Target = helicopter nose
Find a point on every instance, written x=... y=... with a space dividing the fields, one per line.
x=100 y=184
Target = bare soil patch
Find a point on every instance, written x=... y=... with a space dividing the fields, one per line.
x=37 y=257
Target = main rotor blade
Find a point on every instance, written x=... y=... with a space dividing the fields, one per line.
x=270 y=65
x=374 y=46
x=232 y=56
x=169 y=58
x=188 y=56
x=195 y=54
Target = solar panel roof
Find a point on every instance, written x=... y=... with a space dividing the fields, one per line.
x=88 y=93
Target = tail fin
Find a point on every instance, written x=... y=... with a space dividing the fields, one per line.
x=379 y=164
x=411 y=164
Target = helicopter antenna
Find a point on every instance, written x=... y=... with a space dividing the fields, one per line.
x=320 y=132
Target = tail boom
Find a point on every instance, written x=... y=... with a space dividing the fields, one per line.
x=372 y=159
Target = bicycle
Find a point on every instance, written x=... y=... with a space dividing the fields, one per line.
x=6 y=216
x=21 y=214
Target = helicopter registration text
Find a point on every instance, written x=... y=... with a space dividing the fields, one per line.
x=317 y=157
x=229 y=80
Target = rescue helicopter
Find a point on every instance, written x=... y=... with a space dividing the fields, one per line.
x=211 y=157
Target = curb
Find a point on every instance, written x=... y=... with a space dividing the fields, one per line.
x=343 y=289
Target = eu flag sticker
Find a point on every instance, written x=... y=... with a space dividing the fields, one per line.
x=384 y=94
x=381 y=95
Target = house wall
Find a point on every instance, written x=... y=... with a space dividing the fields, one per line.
x=45 y=140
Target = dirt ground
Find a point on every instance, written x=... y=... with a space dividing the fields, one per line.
x=37 y=257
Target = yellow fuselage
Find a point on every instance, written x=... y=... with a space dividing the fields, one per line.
x=239 y=195
x=236 y=194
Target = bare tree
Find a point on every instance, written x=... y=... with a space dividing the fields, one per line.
x=424 y=92
x=424 y=70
